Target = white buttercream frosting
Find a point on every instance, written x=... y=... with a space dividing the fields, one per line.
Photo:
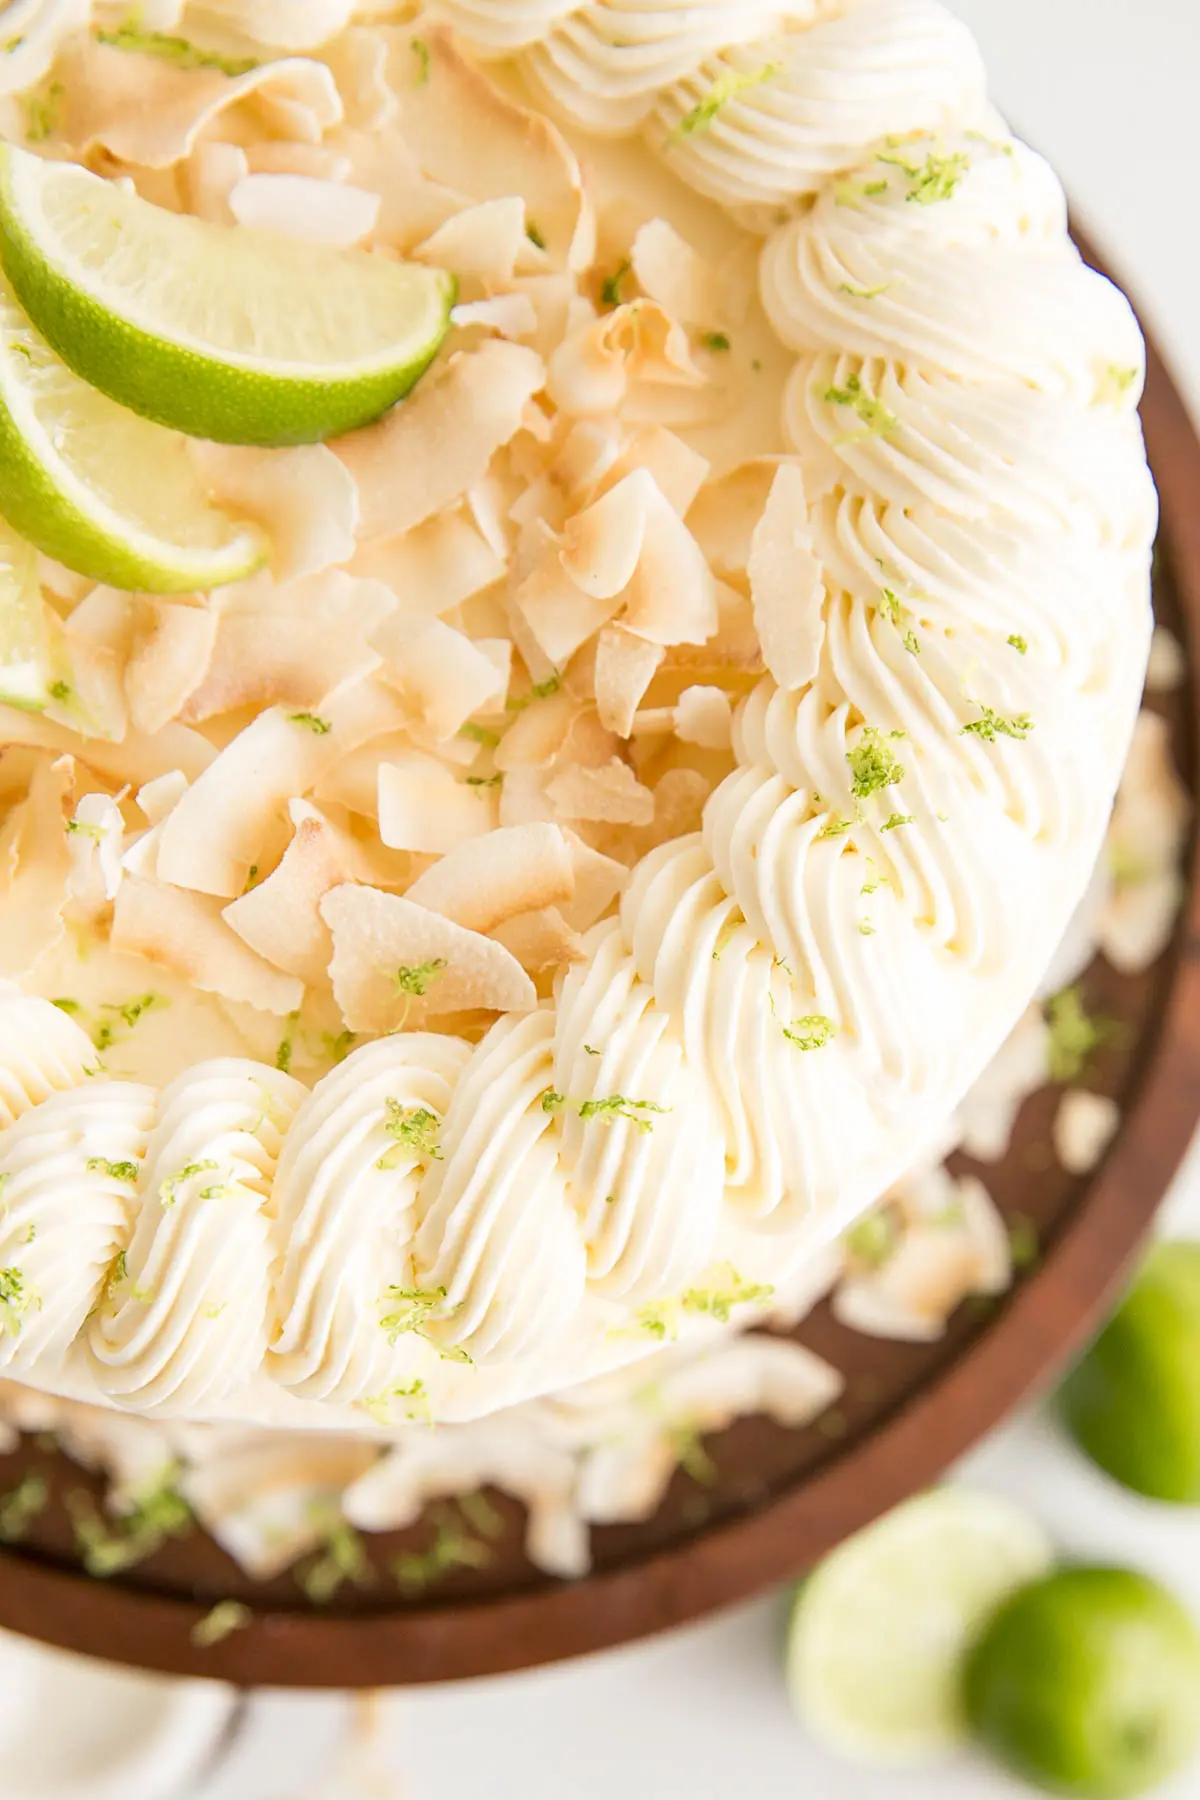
x=792 y=998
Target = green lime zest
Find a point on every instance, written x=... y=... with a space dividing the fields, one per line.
x=812 y=1032
x=726 y=88
x=42 y=113
x=415 y=1130
x=933 y=180
x=717 y=341
x=991 y=725
x=718 y=1302
x=178 y=51
x=416 y=979
x=610 y=288
x=109 y=1547
x=311 y=722
x=21 y=1507
x=412 y=1310
x=535 y=235
x=424 y=57
x=379 y=1406
x=873 y=764
x=873 y=1238
x=16 y=1298
x=479 y=734
x=878 y=419
x=897 y=820
x=226 y=1617
x=342 y=1557
x=609 y=1109
x=541 y=690
x=1075 y=1036
x=168 y=1192
x=453 y=1547
x=115 y=1171
x=862 y=293
x=1019 y=644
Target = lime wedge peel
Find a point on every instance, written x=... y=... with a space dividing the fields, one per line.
x=879 y=1632
x=219 y=331
x=100 y=489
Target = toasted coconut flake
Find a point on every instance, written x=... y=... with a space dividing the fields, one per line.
x=423 y=807
x=424 y=455
x=556 y=610
x=671 y=272
x=280 y=918
x=940 y=1259
x=509 y=315
x=262 y=660
x=358 y=58
x=522 y=869
x=234 y=815
x=136 y=759
x=95 y=844
x=599 y=881
x=704 y=716
x=437 y=565
x=396 y=963
x=304 y=206
x=147 y=112
x=612 y=795
x=35 y=867
x=673 y=597
x=354 y=781
x=303 y=497
x=523 y=799
x=541 y=941
x=157 y=798
x=988 y=1113
x=186 y=932
x=591 y=370
x=787 y=584
x=442 y=675
x=92 y=648
x=726 y=513
x=211 y=173
x=734 y=645
x=602 y=545
x=1167 y=668
x=679 y=800
x=625 y=667
x=678 y=471
x=525 y=154
x=1084 y=1126
x=1138 y=922
x=483 y=240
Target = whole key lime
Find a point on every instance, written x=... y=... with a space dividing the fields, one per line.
x=1133 y=1403
x=1087 y=1683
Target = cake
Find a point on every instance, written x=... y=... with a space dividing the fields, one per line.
x=527 y=920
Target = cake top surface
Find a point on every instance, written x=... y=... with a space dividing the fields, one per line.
x=582 y=867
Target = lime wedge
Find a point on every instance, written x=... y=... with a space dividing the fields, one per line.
x=24 y=650
x=103 y=491
x=220 y=331
x=879 y=1631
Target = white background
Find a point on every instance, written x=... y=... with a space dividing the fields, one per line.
x=1110 y=90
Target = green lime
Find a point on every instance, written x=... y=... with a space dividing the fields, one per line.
x=1087 y=1683
x=1133 y=1403
x=103 y=491
x=219 y=331
x=879 y=1629
x=24 y=651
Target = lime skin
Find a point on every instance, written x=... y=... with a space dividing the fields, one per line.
x=1087 y=1683
x=1133 y=1403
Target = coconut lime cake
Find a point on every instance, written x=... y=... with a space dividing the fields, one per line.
x=574 y=598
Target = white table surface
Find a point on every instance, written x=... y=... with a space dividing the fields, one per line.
x=1110 y=90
